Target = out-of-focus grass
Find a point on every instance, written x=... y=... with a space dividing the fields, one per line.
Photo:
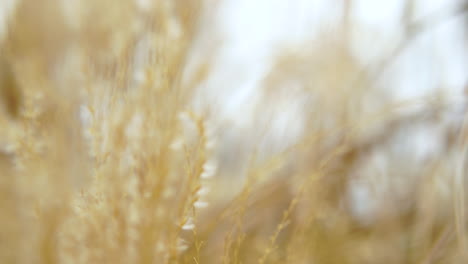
x=102 y=161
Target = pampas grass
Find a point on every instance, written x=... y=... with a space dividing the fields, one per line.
x=103 y=160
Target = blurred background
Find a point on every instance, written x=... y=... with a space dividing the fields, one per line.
x=280 y=67
x=275 y=71
x=371 y=94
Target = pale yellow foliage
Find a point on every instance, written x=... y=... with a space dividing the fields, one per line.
x=103 y=161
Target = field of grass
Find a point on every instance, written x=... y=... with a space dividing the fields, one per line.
x=103 y=159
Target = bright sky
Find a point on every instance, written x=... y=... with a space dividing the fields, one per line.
x=254 y=31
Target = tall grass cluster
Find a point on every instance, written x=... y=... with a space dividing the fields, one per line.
x=103 y=159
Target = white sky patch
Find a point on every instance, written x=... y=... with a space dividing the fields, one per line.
x=6 y=9
x=144 y=5
x=254 y=32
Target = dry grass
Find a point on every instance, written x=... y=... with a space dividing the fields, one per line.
x=102 y=161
